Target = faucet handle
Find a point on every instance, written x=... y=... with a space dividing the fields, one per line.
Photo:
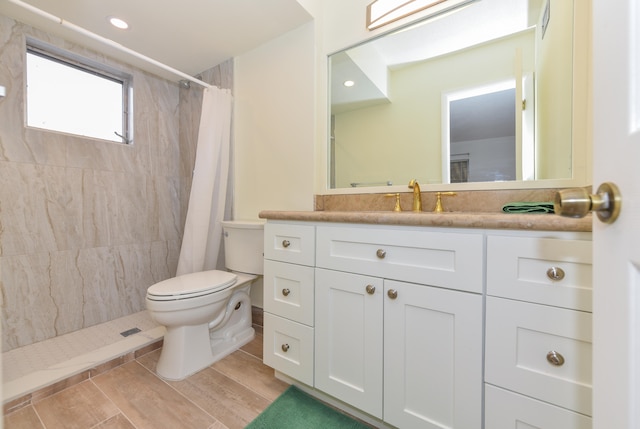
x=397 y=207
x=439 y=208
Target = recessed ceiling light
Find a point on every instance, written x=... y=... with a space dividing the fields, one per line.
x=118 y=23
x=348 y=83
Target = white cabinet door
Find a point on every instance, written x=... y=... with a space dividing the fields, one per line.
x=348 y=333
x=432 y=357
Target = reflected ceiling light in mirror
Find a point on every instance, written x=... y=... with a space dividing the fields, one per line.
x=118 y=23
x=383 y=12
x=348 y=83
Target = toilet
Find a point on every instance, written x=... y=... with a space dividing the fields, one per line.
x=207 y=315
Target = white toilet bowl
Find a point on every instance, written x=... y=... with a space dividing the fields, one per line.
x=207 y=315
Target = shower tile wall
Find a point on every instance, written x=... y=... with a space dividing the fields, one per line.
x=86 y=226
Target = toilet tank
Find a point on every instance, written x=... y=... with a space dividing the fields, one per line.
x=244 y=246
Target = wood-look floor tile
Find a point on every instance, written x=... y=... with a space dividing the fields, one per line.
x=148 y=402
x=252 y=373
x=228 y=401
x=116 y=422
x=81 y=406
x=254 y=347
x=24 y=418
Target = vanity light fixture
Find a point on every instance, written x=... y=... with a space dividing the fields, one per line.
x=383 y=12
x=118 y=23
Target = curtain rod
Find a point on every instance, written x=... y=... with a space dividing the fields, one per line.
x=107 y=42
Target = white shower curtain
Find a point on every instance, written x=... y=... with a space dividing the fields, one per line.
x=203 y=229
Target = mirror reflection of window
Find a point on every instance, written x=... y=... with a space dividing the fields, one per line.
x=459 y=168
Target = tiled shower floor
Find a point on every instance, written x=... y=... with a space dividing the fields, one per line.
x=29 y=368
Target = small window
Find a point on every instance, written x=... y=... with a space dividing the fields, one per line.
x=75 y=95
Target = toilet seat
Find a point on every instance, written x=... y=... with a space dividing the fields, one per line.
x=191 y=285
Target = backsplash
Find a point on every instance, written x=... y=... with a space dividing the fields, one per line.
x=464 y=201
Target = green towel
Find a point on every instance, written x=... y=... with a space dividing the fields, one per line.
x=528 y=207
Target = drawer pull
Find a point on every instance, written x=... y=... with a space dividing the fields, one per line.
x=286 y=292
x=371 y=289
x=555 y=358
x=381 y=253
x=555 y=273
x=392 y=293
x=285 y=348
x=286 y=243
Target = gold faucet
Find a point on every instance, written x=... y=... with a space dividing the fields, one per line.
x=417 y=198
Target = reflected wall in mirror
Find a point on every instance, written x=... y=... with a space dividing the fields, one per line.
x=483 y=93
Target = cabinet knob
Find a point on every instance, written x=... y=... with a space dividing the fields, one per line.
x=555 y=358
x=555 y=273
x=286 y=292
x=285 y=348
x=392 y=293
x=371 y=289
x=286 y=243
x=381 y=253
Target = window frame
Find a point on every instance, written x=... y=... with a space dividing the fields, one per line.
x=87 y=65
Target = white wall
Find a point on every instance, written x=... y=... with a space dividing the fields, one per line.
x=274 y=120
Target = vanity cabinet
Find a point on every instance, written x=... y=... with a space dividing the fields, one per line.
x=402 y=322
x=538 y=331
x=398 y=332
x=289 y=253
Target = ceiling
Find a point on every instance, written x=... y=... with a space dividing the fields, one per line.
x=188 y=35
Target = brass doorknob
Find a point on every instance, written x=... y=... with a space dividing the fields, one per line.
x=578 y=203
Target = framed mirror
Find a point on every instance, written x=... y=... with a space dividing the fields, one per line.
x=480 y=95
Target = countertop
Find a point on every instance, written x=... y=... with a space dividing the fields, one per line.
x=529 y=222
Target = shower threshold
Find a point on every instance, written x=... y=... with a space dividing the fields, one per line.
x=34 y=367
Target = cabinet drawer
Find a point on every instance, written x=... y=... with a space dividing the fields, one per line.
x=290 y=243
x=288 y=291
x=519 y=339
x=508 y=410
x=519 y=268
x=288 y=348
x=448 y=259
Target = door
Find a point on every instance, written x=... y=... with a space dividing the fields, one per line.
x=432 y=357
x=348 y=362
x=616 y=134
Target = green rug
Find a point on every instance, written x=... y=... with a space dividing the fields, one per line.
x=295 y=409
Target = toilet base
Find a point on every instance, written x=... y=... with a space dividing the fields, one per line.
x=189 y=349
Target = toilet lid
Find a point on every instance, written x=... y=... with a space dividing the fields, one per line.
x=192 y=285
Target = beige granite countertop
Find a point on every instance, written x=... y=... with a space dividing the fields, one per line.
x=530 y=222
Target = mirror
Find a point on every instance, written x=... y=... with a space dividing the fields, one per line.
x=481 y=94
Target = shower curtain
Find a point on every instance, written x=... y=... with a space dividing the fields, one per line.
x=202 y=238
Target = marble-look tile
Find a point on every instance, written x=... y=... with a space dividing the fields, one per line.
x=98 y=208
x=80 y=406
x=142 y=397
x=33 y=211
x=164 y=209
x=25 y=287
